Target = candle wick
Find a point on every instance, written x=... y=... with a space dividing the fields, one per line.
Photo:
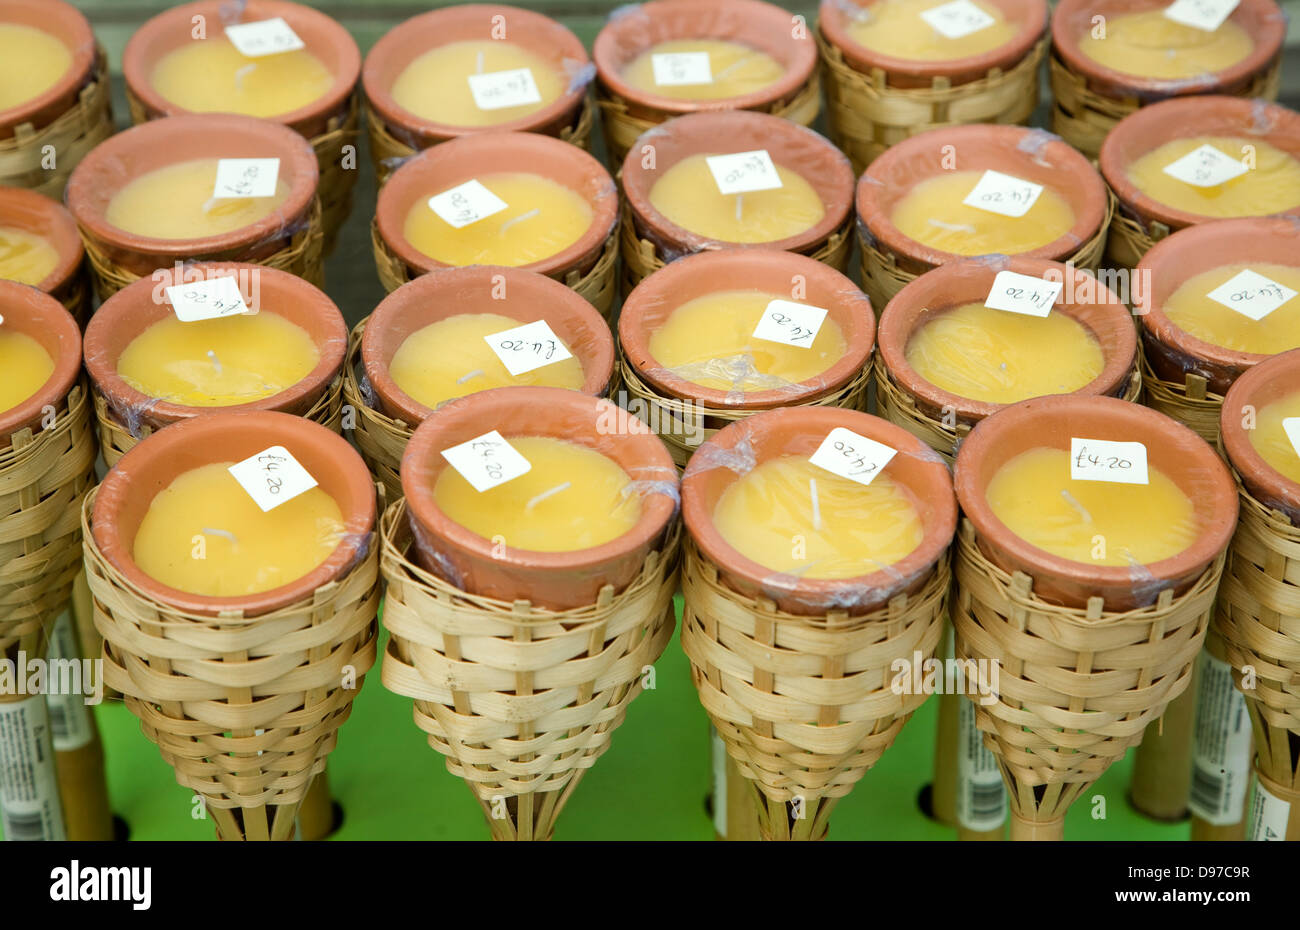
x=216 y=362
x=816 y=505
x=480 y=61
x=477 y=372
x=732 y=67
x=740 y=207
x=224 y=534
x=545 y=494
x=518 y=219
x=1073 y=502
x=952 y=227
x=239 y=75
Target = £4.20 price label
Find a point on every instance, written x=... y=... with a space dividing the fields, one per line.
x=246 y=177
x=206 y=300
x=1208 y=15
x=1104 y=460
x=1023 y=293
x=681 y=69
x=791 y=323
x=1003 y=193
x=466 y=203
x=533 y=345
x=1206 y=166
x=487 y=461
x=744 y=172
x=957 y=19
x=1251 y=294
x=267 y=37
x=272 y=477
x=845 y=453
x=500 y=90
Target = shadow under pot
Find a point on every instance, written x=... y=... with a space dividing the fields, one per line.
x=1261 y=432
x=41 y=247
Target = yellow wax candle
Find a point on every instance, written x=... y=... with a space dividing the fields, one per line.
x=239 y=550
x=687 y=195
x=218 y=363
x=212 y=76
x=710 y=341
x=1271 y=186
x=572 y=498
x=1270 y=439
x=31 y=62
x=1191 y=310
x=435 y=86
x=736 y=70
x=26 y=257
x=26 y=366
x=932 y=213
x=451 y=358
x=795 y=518
x=1151 y=45
x=176 y=202
x=1000 y=357
x=542 y=217
x=1099 y=522
x=895 y=28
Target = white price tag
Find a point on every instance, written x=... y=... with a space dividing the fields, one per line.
x=1269 y=815
x=1221 y=741
x=533 y=345
x=246 y=177
x=1004 y=194
x=1104 y=460
x=744 y=172
x=268 y=37
x=487 y=461
x=272 y=477
x=500 y=90
x=682 y=69
x=1251 y=294
x=1292 y=427
x=1201 y=14
x=957 y=19
x=466 y=203
x=1205 y=167
x=206 y=300
x=1023 y=293
x=791 y=323
x=845 y=453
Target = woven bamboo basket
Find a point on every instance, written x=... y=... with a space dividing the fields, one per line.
x=520 y=700
x=69 y=138
x=1130 y=239
x=865 y=115
x=245 y=709
x=380 y=439
x=804 y=704
x=1190 y=403
x=1078 y=686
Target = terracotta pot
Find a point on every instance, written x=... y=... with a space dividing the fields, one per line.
x=653 y=301
x=65 y=23
x=528 y=297
x=1083 y=299
x=39 y=215
x=1271 y=380
x=135 y=308
x=407 y=41
x=323 y=37
x=774 y=433
x=556 y=580
x=128 y=491
x=1153 y=126
x=791 y=146
x=1073 y=20
x=1031 y=154
x=445 y=166
x=113 y=164
x=1031 y=16
x=40 y=316
x=633 y=30
x=1051 y=422
x=1173 y=353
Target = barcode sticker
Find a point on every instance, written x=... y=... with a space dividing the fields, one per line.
x=466 y=203
x=1251 y=294
x=1206 y=167
x=70 y=722
x=1269 y=815
x=267 y=37
x=957 y=19
x=487 y=461
x=29 y=791
x=272 y=477
x=845 y=453
x=1221 y=746
x=1103 y=460
x=1292 y=427
x=1201 y=14
x=246 y=177
x=981 y=795
x=744 y=172
x=790 y=323
x=682 y=69
x=524 y=348
x=500 y=90
x=206 y=300
x=1023 y=293
x=719 y=753
x=1005 y=194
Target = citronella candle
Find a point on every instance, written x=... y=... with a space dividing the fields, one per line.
x=1193 y=310
x=27 y=366
x=31 y=62
x=702 y=69
x=212 y=75
x=1150 y=44
x=26 y=257
x=38 y=342
x=1237 y=176
x=1260 y=424
x=923 y=30
x=445 y=84
x=177 y=202
x=40 y=246
x=1273 y=435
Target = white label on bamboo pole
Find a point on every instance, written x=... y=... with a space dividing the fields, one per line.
x=1003 y=193
x=466 y=203
x=1205 y=167
x=246 y=177
x=524 y=348
x=206 y=300
x=29 y=789
x=790 y=323
x=957 y=19
x=981 y=795
x=1221 y=754
x=719 y=751
x=1251 y=294
x=70 y=724
x=272 y=477
x=266 y=37
x=1104 y=460
x=845 y=453
x=1208 y=15
x=1023 y=293
x=487 y=461
x=1269 y=815
x=500 y=90
x=682 y=69
x=1292 y=427
x=744 y=172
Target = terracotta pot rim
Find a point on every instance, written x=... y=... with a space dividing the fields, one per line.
x=395 y=197
x=381 y=98
x=899 y=322
x=660 y=287
x=294 y=152
x=1267 y=46
x=424 y=290
x=16 y=207
x=280 y=429
x=1262 y=480
x=1073 y=166
x=137 y=74
x=20 y=301
x=83 y=61
x=714 y=124
x=832 y=22
x=798 y=72
x=101 y=364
